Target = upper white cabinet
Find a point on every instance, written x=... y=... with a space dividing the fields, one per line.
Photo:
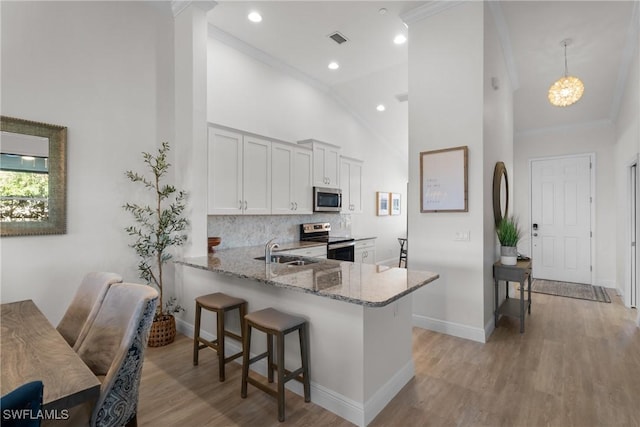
x=351 y=184
x=291 y=184
x=326 y=158
x=239 y=173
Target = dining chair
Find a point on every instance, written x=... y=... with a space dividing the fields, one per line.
x=113 y=349
x=20 y=407
x=85 y=305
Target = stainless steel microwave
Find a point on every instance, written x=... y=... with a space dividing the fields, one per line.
x=327 y=199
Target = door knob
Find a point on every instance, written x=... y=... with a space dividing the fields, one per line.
x=535 y=234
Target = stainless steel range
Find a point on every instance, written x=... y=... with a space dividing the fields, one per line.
x=340 y=248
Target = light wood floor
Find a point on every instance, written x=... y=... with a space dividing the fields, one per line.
x=577 y=364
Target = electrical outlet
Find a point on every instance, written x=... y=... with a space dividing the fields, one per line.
x=462 y=236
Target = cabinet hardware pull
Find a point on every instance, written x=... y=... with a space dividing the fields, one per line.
x=240 y=204
x=245 y=205
x=296 y=203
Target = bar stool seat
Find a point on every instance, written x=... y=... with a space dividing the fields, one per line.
x=220 y=304
x=276 y=323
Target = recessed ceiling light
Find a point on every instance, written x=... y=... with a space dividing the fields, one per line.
x=382 y=11
x=381 y=107
x=333 y=65
x=400 y=39
x=254 y=17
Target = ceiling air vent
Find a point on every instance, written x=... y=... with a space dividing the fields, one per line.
x=402 y=97
x=337 y=37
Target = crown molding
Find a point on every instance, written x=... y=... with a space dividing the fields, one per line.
x=177 y=6
x=427 y=10
x=630 y=47
x=594 y=124
x=505 y=42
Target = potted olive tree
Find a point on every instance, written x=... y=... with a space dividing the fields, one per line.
x=159 y=226
x=509 y=234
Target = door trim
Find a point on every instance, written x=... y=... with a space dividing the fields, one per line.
x=592 y=185
x=628 y=283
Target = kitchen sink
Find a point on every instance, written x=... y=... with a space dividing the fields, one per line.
x=288 y=260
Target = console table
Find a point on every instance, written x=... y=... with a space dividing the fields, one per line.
x=520 y=272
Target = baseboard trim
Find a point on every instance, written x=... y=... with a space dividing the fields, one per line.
x=489 y=327
x=450 y=328
x=387 y=392
x=352 y=411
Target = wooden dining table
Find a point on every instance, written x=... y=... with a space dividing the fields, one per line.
x=32 y=349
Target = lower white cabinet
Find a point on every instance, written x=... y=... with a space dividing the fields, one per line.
x=365 y=252
x=319 y=251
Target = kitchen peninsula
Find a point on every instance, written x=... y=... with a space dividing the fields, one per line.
x=359 y=320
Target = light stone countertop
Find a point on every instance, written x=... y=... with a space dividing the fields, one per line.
x=362 y=284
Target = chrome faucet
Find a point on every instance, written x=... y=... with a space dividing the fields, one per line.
x=268 y=248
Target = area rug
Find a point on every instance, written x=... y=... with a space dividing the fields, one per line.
x=570 y=290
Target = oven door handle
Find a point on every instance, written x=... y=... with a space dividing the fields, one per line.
x=340 y=245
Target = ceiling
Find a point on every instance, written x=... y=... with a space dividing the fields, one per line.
x=373 y=70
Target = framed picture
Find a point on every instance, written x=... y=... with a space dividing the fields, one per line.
x=382 y=203
x=443 y=180
x=395 y=203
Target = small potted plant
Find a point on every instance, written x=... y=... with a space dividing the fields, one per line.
x=509 y=234
x=158 y=227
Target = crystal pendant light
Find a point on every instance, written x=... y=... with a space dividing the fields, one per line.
x=568 y=89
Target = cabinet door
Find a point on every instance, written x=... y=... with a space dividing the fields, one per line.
x=256 y=176
x=345 y=173
x=355 y=187
x=332 y=167
x=303 y=181
x=371 y=256
x=224 y=180
x=351 y=184
x=319 y=176
x=282 y=180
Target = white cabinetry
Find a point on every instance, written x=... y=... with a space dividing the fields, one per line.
x=351 y=182
x=319 y=251
x=326 y=168
x=291 y=184
x=239 y=173
x=365 y=251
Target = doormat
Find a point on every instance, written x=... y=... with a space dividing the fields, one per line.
x=570 y=290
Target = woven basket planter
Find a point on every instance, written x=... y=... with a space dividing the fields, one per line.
x=163 y=331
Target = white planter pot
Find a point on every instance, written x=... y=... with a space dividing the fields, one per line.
x=508 y=255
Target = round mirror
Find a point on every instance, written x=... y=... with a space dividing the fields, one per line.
x=500 y=192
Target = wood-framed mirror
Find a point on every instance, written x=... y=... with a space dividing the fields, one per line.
x=500 y=193
x=32 y=178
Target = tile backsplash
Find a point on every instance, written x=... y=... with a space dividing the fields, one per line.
x=254 y=230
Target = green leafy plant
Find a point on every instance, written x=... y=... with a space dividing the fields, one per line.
x=158 y=226
x=508 y=231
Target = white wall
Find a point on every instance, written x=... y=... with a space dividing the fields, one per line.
x=446 y=83
x=251 y=95
x=596 y=138
x=627 y=146
x=104 y=70
x=498 y=147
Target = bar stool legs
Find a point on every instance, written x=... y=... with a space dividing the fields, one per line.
x=403 y=252
x=220 y=304
x=275 y=323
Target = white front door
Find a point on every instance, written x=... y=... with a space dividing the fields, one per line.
x=561 y=198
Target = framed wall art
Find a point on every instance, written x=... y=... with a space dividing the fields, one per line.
x=382 y=203
x=395 y=203
x=443 y=180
